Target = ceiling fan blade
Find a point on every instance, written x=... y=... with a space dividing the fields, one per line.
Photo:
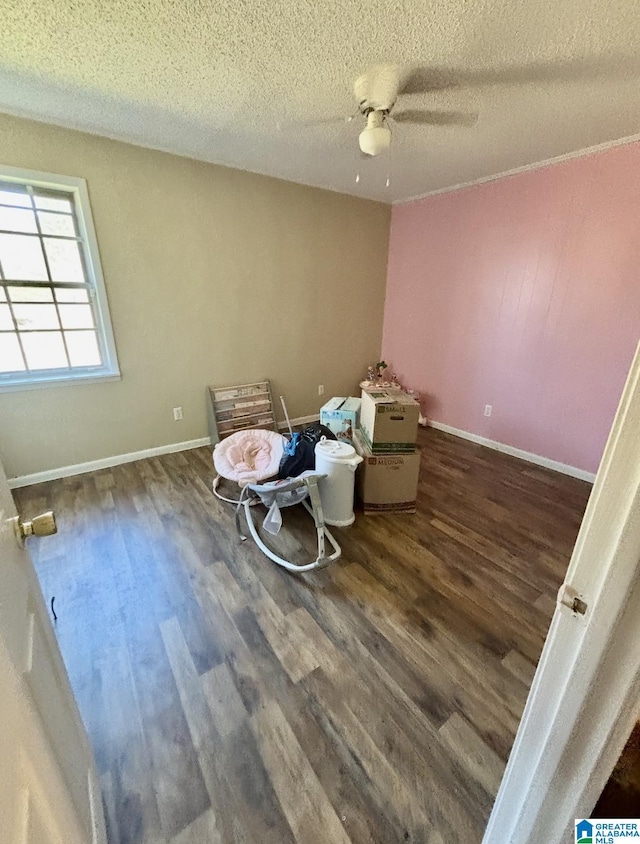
x=422 y=80
x=566 y=70
x=335 y=120
x=436 y=118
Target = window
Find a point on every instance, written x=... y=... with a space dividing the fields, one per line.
x=54 y=318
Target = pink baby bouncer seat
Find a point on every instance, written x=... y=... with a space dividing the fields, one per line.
x=247 y=457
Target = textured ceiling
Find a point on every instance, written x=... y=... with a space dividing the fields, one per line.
x=234 y=81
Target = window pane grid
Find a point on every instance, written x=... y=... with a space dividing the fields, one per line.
x=42 y=330
x=27 y=206
x=16 y=332
x=38 y=234
x=33 y=319
x=54 y=285
x=46 y=261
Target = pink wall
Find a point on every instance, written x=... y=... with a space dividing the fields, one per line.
x=523 y=293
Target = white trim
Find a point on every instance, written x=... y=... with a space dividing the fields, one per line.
x=103 y=463
x=524 y=168
x=529 y=456
x=77 y=187
x=92 y=256
x=129 y=457
x=79 y=377
x=40 y=179
x=585 y=694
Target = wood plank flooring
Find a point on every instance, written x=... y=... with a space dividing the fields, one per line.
x=374 y=701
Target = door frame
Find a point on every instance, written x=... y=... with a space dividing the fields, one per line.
x=585 y=696
x=67 y=814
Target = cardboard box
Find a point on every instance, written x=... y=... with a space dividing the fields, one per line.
x=389 y=420
x=386 y=483
x=342 y=416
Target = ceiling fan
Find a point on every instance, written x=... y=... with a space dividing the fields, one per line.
x=378 y=89
x=377 y=92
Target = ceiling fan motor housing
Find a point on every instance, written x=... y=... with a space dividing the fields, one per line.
x=378 y=88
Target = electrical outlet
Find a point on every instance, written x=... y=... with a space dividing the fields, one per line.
x=321 y=389
x=488 y=410
x=177 y=414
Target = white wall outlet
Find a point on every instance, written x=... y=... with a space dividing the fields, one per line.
x=321 y=389
x=177 y=414
x=488 y=410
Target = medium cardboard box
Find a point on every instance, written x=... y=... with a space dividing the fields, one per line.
x=386 y=483
x=342 y=416
x=389 y=420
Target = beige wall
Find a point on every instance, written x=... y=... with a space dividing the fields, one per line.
x=214 y=276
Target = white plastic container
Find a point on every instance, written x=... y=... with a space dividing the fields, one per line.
x=338 y=461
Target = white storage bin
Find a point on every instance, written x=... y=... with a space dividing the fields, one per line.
x=338 y=461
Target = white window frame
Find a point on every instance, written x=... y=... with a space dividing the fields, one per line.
x=109 y=369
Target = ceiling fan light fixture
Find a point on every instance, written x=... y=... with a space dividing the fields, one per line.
x=376 y=138
x=375 y=141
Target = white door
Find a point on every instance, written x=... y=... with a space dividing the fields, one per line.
x=585 y=696
x=48 y=785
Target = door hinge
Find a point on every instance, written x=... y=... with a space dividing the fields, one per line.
x=569 y=597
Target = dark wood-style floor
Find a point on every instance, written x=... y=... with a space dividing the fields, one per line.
x=375 y=701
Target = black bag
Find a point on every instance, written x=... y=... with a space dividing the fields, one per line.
x=299 y=453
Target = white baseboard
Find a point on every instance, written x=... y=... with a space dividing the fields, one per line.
x=564 y=468
x=118 y=459
x=103 y=463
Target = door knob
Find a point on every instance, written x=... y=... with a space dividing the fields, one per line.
x=42 y=525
